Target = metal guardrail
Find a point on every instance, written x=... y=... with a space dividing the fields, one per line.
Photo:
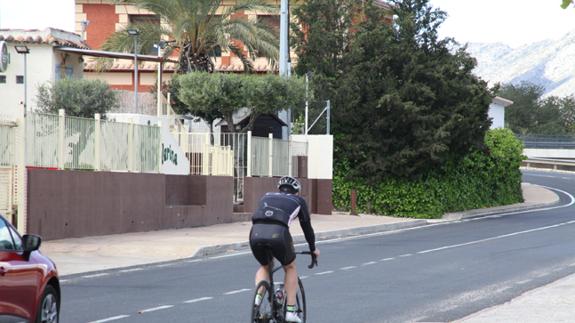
x=555 y=164
x=549 y=142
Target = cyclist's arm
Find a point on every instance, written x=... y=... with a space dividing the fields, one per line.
x=305 y=222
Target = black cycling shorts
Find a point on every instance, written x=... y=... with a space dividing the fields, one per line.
x=271 y=240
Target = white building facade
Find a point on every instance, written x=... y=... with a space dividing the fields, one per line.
x=44 y=64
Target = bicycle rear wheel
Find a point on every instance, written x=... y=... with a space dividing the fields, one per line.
x=262 y=313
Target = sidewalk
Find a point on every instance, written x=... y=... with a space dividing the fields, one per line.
x=551 y=303
x=80 y=255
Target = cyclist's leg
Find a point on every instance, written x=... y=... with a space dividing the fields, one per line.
x=291 y=283
x=286 y=255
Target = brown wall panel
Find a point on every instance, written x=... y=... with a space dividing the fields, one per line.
x=63 y=204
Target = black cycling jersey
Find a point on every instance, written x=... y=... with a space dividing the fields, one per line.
x=282 y=209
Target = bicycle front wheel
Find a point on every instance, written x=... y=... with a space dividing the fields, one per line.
x=262 y=312
x=300 y=299
x=300 y=302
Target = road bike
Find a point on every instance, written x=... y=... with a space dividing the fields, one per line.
x=273 y=307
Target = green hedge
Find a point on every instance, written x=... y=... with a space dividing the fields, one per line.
x=482 y=179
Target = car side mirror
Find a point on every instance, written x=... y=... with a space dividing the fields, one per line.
x=31 y=242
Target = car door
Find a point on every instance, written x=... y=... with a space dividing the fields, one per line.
x=18 y=276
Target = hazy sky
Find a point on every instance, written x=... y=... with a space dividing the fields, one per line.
x=513 y=22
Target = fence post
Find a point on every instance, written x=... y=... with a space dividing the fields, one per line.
x=290 y=171
x=160 y=148
x=131 y=145
x=61 y=137
x=97 y=134
x=206 y=155
x=271 y=154
x=249 y=155
x=21 y=176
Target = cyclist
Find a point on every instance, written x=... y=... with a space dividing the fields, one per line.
x=270 y=236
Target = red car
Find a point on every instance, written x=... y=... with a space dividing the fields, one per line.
x=29 y=285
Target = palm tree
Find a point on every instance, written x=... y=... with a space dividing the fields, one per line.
x=198 y=30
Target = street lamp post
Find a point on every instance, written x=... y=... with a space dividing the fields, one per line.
x=24 y=50
x=134 y=33
x=161 y=45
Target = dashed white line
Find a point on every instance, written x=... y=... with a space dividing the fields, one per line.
x=369 y=263
x=406 y=255
x=521 y=282
x=324 y=273
x=153 y=309
x=387 y=259
x=348 y=268
x=131 y=270
x=164 y=265
x=113 y=318
x=95 y=275
x=303 y=277
x=195 y=300
x=64 y=281
x=237 y=291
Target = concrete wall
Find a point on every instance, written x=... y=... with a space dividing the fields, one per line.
x=63 y=204
x=549 y=153
x=497 y=115
x=41 y=69
x=316 y=192
x=320 y=155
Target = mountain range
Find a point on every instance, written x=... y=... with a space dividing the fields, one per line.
x=548 y=63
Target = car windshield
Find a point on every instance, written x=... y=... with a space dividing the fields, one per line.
x=6 y=242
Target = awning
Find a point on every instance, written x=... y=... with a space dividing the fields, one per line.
x=101 y=53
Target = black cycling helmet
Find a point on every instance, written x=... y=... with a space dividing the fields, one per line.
x=289 y=184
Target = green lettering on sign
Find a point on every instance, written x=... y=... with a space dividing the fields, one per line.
x=169 y=154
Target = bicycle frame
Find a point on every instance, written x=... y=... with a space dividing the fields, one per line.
x=277 y=313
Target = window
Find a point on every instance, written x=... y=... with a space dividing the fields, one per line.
x=6 y=242
x=148 y=49
x=2 y=79
x=272 y=21
x=19 y=79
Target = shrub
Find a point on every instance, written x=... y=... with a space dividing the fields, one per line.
x=79 y=98
x=482 y=179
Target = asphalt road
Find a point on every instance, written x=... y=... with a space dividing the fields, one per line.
x=435 y=273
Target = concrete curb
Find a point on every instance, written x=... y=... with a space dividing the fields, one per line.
x=495 y=210
x=217 y=250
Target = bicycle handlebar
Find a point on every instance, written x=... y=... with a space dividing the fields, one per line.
x=313 y=258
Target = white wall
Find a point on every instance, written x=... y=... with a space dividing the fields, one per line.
x=497 y=114
x=549 y=153
x=41 y=68
x=320 y=155
x=169 y=143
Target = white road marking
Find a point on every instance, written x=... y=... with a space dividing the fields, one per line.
x=63 y=281
x=237 y=291
x=387 y=259
x=369 y=263
x=131 y=270
x=348 y=268
x=95 y=275
x=164 y=265
x=521 y=282
x=195 y=300
x=324 y=273
x=303 y=277
x=497 y=237
x=153 y=309
x=113 y=318
x=406 y=255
